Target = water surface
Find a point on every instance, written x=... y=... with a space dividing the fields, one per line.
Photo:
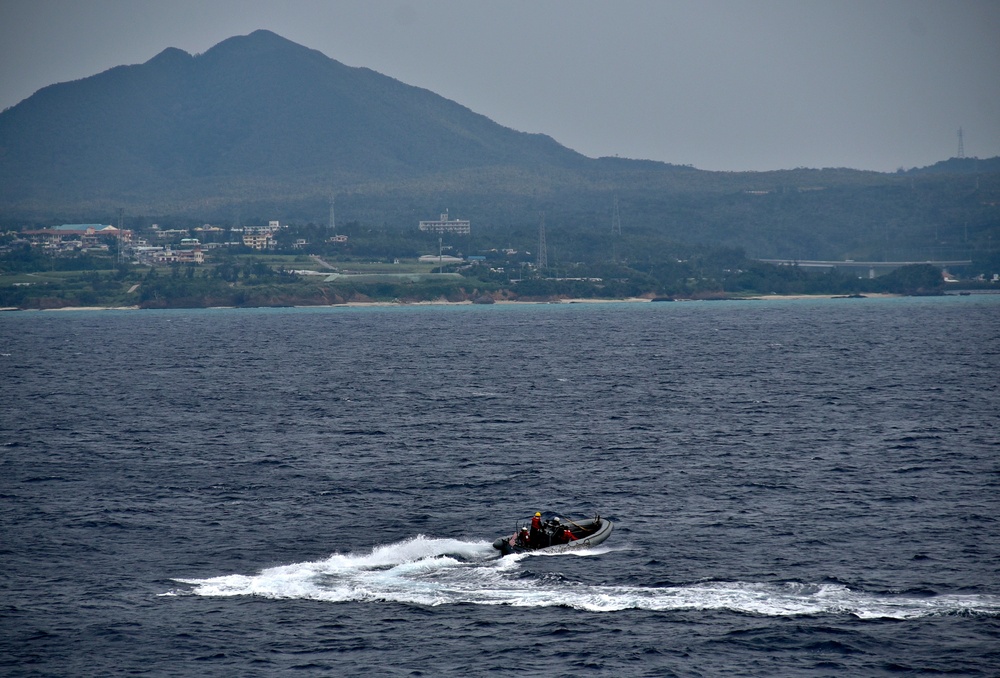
x=799 y=487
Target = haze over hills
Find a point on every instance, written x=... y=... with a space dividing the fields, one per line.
x=264 y=126
x=252 y=111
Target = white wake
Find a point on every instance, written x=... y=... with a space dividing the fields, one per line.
x=424 y=571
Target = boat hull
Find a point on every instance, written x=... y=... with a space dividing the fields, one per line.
x=592 y=531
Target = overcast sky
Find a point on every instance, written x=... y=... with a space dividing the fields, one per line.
x=718 y=84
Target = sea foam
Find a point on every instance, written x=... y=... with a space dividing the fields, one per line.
x=427 y=571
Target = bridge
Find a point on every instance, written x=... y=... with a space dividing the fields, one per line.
x=870 y=265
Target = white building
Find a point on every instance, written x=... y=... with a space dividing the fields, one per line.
x=446 y=225
x=439 y=259
x=259 y=241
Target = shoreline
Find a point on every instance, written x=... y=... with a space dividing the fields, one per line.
x=386 y=304
x=792 y=297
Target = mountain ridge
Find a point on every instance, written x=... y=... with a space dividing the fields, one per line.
x=261 y=126
x=251 y=107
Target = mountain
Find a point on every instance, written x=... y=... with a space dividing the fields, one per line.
x=260 y=128
x=254 y=113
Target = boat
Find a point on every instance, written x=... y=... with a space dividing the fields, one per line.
x=587 y=532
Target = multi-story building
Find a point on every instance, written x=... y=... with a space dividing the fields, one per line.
x=171 y=256
x=259 y=241
x=446 y=225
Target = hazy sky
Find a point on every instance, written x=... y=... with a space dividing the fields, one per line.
x=718 y=84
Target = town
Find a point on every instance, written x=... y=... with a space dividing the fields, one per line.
x=444 y=258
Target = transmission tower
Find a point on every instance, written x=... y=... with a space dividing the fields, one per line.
x=543 y=257
x=616 y=220
x=121 y=225
x=333 y=223
x=961 y=144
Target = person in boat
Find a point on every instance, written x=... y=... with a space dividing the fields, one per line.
x=523 y=538
x=553 y=532
x=535 y=536
x=566 y=536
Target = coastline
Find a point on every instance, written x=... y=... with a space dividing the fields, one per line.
x=441 y=302
x=792 y=297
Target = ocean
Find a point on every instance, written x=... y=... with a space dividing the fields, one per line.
x=798 y=487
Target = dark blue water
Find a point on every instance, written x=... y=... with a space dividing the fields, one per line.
x=798 y=487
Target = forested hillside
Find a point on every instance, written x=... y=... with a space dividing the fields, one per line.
x=260 y=128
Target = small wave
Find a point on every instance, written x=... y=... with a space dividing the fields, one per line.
x=426 y=571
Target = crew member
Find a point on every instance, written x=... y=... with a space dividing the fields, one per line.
x=536 y=530
x=553 y=530
x=566 y=536
x=522 y=537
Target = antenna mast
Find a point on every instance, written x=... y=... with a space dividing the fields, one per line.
x=961 y=145
x=333 y=226
x=543 y=257
x=121 y=225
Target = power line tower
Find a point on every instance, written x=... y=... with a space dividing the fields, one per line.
x=961 y=144
x=543 y=257
x=333 y=223
x=616 y=230
x=121 y=241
